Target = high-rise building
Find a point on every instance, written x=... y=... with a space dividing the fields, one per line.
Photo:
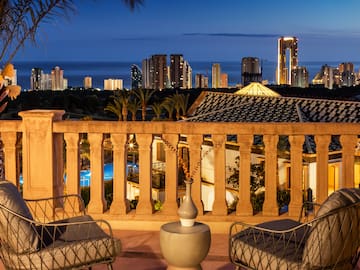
x=224 y=80
x=250 y=70
x=299 y=77
x=347 y=74
x=46 y=83
x=177 y=71
x=136 y=77
x=284 y=68
x=146 y=74
x=187 y=75
x=113 y=84
x=35 y=79
x=87 y=82
x=216 y=76
x=57 y=78
x=159 y=71
x=201 y=81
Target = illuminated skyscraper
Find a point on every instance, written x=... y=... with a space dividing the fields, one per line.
x=146 y=74
x=299 y=77
x=224 y=80
x=57 y=78
x=216 y=76
x=113 y=84
x=187 y=75
x=87 y=82
x=250 y=70
x=35 y=80
x=283 y=71
x=136 y=77
x=158 y=70
x=347 y=74
x=177 y=70
x=201 y=81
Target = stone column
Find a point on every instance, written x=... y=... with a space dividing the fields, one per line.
x=270 y=207
x=348 y=143
x=42 y=154
x=244 y=207
x=219 y=206
x=119 y=205
x=145 y=205
x=10 y=156
x=170 y=206
x=195 y=142
x=322 y=163
x=97 y=204
x=72 y=163
x=296 y=178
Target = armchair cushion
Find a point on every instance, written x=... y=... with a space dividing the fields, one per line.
x=262 y=250
x=75 y=245
x=340 y=198
x=23 y=236
x=330 y=233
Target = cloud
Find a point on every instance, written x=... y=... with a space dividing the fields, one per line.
x=233 y=35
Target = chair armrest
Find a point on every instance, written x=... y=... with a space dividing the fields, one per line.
x=280 y=237
x=50 y=209
x=308 y=211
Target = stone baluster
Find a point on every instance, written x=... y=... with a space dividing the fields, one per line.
x=171 y=175
x=296 y=177
x=145 y=205
x=119 y=205
x=195 y=142
x=219 y=206
x=97 y=204
x=72 y=163
x=348 y=143
x=322 y=170
x=270 y=207
x=9 y=140
x=244 y=207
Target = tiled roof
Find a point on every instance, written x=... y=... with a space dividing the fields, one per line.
x=225 y=107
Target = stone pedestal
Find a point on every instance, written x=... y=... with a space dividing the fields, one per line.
x=184 y=247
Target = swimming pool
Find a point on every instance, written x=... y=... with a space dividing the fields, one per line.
x=85 y=175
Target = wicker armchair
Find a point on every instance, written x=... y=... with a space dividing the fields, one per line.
x=35 y=236
x=330 y=240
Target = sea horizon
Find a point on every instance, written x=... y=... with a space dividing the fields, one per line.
x=75 y=71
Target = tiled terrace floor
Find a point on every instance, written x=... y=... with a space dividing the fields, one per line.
x=141 y=251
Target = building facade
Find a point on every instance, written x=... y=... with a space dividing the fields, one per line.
x=136 y=77
x=87 y=82
x=299 y=77
x=251 y=70
x=284 y=67
x=35 y=79
x=216 y=75
x=113 y=84
x=177 y=71
x=201 y=81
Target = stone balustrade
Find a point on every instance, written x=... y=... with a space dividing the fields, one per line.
x=47 y=141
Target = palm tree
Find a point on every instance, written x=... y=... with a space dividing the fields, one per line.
x=168 y=105
x=144 y=96
x=133 y=107
x=179 y=103
x=115 y=107
x=157 y=109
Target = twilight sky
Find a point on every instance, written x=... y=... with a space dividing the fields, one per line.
x=209 y=30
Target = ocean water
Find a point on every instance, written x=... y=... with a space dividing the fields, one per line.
x=99 y=71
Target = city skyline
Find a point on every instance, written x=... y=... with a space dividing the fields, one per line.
x=200 y=30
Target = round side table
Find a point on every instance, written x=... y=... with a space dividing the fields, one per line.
x=184 y=247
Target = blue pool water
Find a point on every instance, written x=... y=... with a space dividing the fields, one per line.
x=85 y=175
